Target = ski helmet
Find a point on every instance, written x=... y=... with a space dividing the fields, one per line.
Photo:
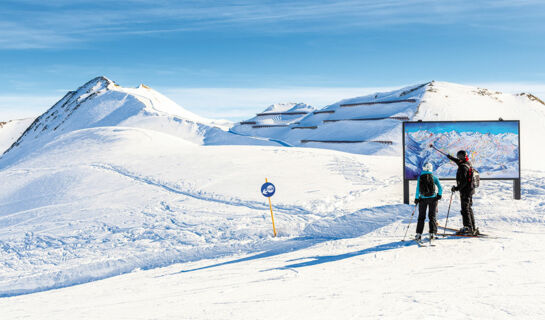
x=428 y=167
x=462 y=155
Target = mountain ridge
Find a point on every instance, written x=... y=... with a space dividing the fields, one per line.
x=368 y=124
x=101 y=102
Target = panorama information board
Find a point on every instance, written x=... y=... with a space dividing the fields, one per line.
x=493 y=147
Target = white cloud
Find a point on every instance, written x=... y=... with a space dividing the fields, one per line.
x=54 y=23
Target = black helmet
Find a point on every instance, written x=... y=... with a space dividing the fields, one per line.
x=462 y=155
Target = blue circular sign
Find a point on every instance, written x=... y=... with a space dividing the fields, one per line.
x=268 y=189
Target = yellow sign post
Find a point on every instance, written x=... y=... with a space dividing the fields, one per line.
x=268 y=190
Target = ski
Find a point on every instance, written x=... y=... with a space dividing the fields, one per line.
x=467 y=235
x=420 y=243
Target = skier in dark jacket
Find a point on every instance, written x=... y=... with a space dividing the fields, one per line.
x=466 y=188
x=427 y=198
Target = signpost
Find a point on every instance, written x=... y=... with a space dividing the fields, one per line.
x=268 y=190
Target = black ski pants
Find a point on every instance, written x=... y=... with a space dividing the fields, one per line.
x=431 y=205
x=467 y=212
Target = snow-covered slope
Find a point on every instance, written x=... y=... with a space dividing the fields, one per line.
x=365 y=125
x=113 y=181
x=372 y=124
x=277 y=116
x=102 y=201
x=11 y=130
x=102 y=103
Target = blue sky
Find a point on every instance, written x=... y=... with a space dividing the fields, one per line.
x=248 y=54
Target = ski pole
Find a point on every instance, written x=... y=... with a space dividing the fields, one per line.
x=433 y=147
x=448 y=212
x=410 y=221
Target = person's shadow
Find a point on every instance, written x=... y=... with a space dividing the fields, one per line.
x=302 y=244
x=315 y=260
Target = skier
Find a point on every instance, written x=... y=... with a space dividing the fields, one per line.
x=427 y=198
x=465 y=186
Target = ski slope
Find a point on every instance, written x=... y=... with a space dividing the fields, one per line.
x=124 y=211
x=360 y=269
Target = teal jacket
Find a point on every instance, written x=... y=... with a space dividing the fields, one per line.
x=435 y=181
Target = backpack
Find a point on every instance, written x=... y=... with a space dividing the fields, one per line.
x=473 y=176
x=427 y=186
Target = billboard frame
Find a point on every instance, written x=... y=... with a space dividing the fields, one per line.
x=516 y=181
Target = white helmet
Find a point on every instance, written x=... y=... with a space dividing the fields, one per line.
x=428 y=167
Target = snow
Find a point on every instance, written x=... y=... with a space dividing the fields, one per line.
x=336 y=123
x=102 y=103
x=371 y=275
x=433 y=101
x=11 y=130
x=129 y=211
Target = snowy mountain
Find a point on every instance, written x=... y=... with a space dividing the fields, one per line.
x=11 y=130
x=372 y=124
x=123 y=185
x=365 y=125
x=278 y=115
x=102 y=103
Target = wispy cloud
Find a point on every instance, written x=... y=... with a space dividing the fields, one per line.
x=39 y=24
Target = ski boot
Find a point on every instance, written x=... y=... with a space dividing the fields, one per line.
x=418 y=237
x=433 y=236
x=465 y=230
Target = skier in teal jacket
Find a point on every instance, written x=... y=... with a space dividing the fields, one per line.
x=427 y=198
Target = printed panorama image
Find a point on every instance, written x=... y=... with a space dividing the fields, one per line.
x=492 y=146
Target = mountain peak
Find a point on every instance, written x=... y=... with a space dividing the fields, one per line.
x=98 y=102
x=97 y=84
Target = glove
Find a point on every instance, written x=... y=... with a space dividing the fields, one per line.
x=416 y=200
x=438 y=197
x=454 y=188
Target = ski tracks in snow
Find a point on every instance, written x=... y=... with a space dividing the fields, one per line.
x=202 y=195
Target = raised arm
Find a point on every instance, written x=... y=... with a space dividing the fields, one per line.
x=455 y=160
